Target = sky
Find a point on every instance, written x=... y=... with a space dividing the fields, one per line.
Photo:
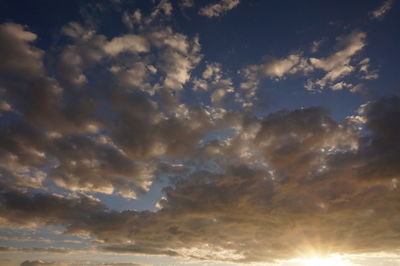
x=214 y=132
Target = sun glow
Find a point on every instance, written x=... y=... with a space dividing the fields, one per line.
x=333 y=260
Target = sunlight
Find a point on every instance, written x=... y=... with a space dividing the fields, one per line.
x=333 y=260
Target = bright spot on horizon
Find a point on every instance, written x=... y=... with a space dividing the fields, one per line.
x=332 y=260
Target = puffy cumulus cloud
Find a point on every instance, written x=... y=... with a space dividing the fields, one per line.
x=75 y=58
x=76 y=162
x=61 y=131
x=127 y=43
x=286 y=184
x=19 y=58
x=178 y=56
x=293 y=177
x=216 y=82
x=294 y=143
x=155 y=134
x=32 y=92
x=378 y=157
x=153 y=53
x=381 y=11
x=219 y=8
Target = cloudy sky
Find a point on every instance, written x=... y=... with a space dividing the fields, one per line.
x=218 y=132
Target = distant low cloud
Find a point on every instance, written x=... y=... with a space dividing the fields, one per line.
x=43 y=263
x=219 y=8
x=40 y=263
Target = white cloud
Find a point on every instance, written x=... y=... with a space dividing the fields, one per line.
x=340 y=85
x=126 y=43
x=334 y=67
x=275 y=69
x=219 y=8
x=364 y=68
x=338 y=65
x=351 y=44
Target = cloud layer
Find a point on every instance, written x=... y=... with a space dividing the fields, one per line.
x=114 y=114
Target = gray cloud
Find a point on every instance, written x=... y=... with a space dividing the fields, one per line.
x=381 y=11
x=39 y=263
x=271 y=188
x=19 y=57
x=60 y=138
x=306 y=184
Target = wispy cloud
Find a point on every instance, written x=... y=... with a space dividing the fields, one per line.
x=219 y=8
x=381 y=11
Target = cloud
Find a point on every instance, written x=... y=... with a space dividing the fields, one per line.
x=244 y=187
x=219 y=8
x=127 y=43
x=35 y=249
x=367 y=74
x=334 y=67
x=67 y=140
x=316 y=45
x=216 y=82
x=186 y=3
x=294 y=177
x=349 y=45
x=340 y=85
x=338 y=65
x=133 y=63
x=276 y=69
x=19 y=58
x=40 y=263
x=381 y=11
